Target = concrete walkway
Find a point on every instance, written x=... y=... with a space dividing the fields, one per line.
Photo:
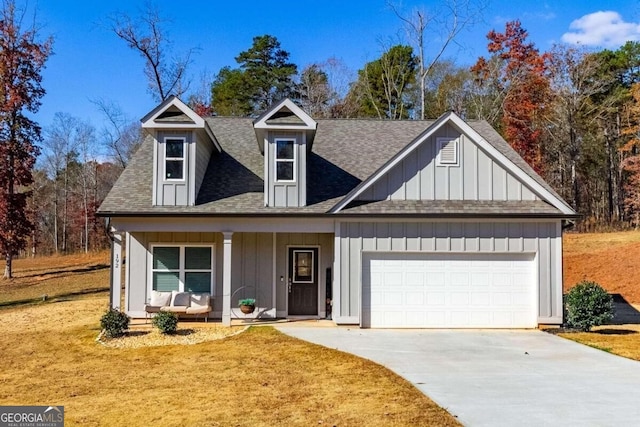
x=500 y=378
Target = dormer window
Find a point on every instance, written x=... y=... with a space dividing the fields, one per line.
x=285 y=159
x=174 y=158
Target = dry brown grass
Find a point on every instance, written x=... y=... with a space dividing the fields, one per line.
x=258 y=378
x=623 y=340
x=611 y=259
x=56 y=275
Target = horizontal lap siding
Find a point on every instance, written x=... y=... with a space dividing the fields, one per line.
x=459 y=237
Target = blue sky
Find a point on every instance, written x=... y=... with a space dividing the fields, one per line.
x=91 y=63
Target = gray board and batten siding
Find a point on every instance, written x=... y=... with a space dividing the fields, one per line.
x=255 y=271
x=541 y=239
x=476 y=176
x=291 y=193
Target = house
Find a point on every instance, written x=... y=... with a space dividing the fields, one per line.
x=375 y=223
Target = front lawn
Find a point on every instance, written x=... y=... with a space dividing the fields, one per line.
x=259 y=377
x=623 y=340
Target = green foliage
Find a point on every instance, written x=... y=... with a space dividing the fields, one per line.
x=588 y=305
x=231 y=94
x=383 y=85
x=247 y=301
x=166 y=322
x=265 y=77
x=114 y=322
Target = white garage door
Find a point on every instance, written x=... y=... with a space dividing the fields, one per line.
x=409 y=290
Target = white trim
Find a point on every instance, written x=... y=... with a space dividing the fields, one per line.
x=165 y=158
x=116 y=271
x=261 y=122
x=226 y=277
x=346 y=320
x=337 y=262
x=127 y=273
x=156 y=178
x=551 y=320
x=274 y=266
x=191 y=169
x=559 y=277
x=475 y=137
x=148 y=121
x=293 y=160
x=181 y=268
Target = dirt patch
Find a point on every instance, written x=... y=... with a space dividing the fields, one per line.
x=610 y=259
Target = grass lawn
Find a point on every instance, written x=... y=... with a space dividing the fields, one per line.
x=259 y=377
x=60 y=275
x=623 y=340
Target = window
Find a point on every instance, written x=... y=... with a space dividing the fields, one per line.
x=182 y=268
x=174 y=159
x=303 y=266
x=285 y=159
x=447 y=151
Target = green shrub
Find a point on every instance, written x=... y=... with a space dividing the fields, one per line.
x=166 y=322
x=588 y=305
x=114 y=322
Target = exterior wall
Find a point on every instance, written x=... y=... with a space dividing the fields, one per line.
x=324 y=241
x=285 y=194
x=137 y=266
x=252 y=270
x=476 y=177
x=203 y=149
x=174 y=192
x=544 y=239
x=255 y=271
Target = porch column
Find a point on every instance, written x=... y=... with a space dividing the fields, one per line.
x=226 y=278
x=115 y=284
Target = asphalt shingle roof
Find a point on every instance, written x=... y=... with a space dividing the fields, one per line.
x=345 y=153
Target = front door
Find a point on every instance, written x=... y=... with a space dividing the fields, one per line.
x=303 y=281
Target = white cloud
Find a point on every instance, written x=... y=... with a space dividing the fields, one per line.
x=602 y=29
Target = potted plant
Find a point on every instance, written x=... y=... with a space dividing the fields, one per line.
x=247 y=305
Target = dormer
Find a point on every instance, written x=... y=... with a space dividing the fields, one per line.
x=183 y=144
x=285 y=137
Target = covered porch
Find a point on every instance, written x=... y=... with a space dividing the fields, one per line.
x=286 y=265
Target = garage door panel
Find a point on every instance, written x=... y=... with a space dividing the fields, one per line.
x=449 y=290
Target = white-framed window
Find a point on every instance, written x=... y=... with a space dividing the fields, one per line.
x=447 y=151
x=174 y=154
x=183 y=268
x=285 y=159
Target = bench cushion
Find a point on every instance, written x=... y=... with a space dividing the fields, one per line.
x=180 y=299
x=160 y=299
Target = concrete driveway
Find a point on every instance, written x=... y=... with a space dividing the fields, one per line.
x=500 y=378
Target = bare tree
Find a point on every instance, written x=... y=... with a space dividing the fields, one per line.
x=444 y=24
x=121 y=135
x=146 y=35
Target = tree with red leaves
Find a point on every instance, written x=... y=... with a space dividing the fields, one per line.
x=524 y=85
x=22 y=58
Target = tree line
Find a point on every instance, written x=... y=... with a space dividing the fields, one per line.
x=572 y=113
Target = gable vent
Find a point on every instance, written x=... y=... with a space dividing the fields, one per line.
x=447 y=151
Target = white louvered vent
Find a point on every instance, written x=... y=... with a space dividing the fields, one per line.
x=447 y=151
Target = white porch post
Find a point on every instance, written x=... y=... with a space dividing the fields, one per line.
x=116 y=270
x=226 y=279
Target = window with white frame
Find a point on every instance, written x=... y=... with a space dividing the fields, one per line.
x=174 y=158
x=285 y=159
x=182 y=268
x=447 y=151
